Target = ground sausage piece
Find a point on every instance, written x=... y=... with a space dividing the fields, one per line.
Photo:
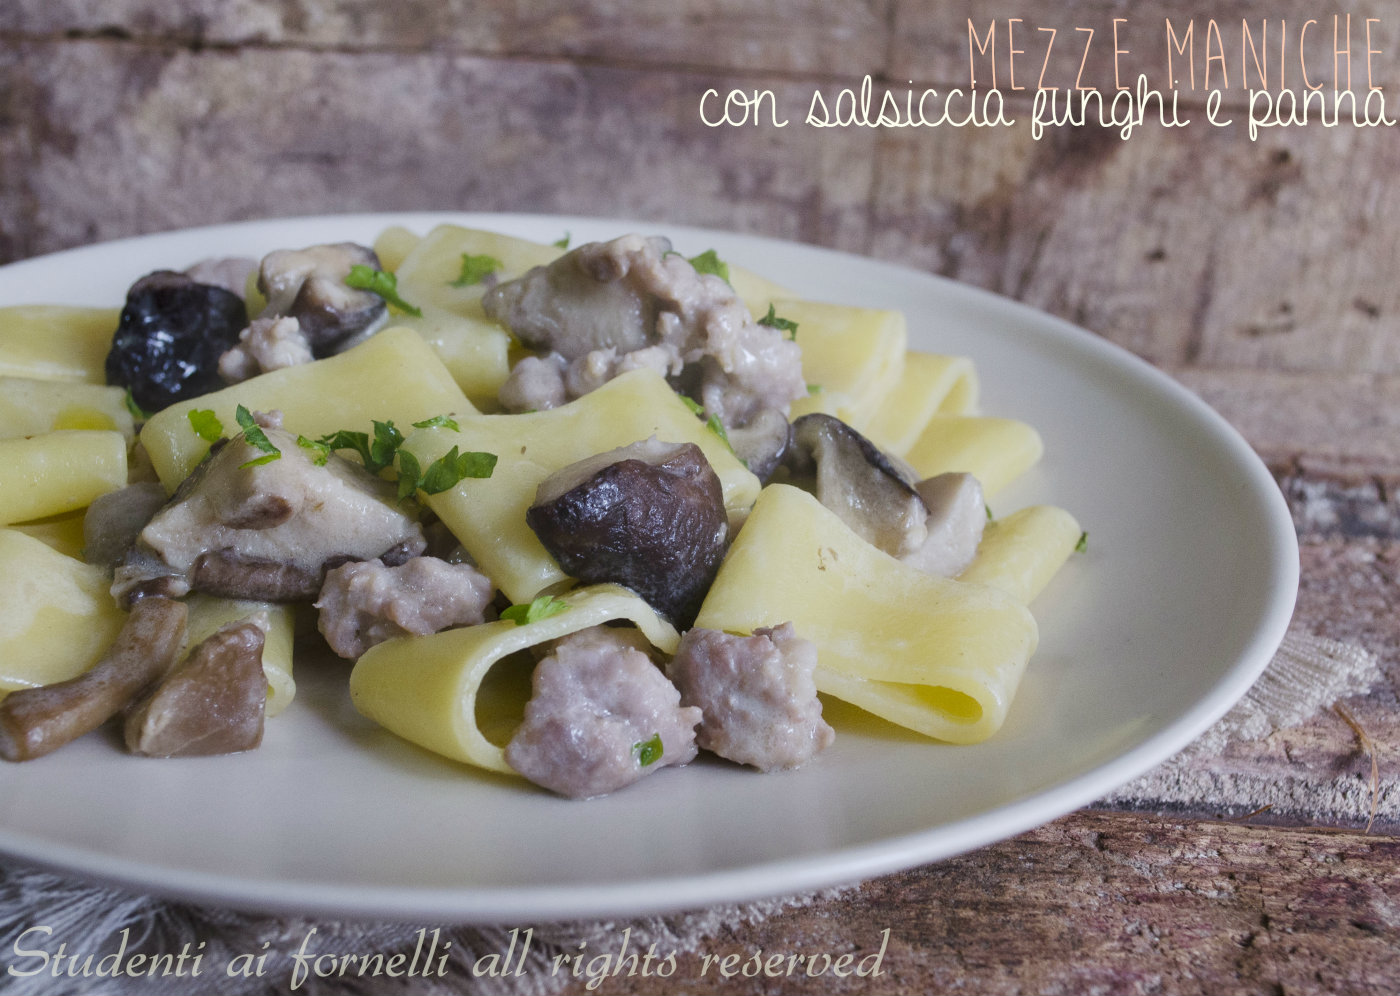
x=756 y=693
x=602 y=715
x=609 y=307
x=267 y=344
x=365 y=603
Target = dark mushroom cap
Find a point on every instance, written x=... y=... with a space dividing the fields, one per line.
x=649 y=516
x=170 y=337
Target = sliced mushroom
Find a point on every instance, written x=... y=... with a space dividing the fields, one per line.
x=762 y=442
x=957 y=516
x=114 y=520
x=309 y=285
x=171 y=334
x=212 y=703
x=266 y=531
x=35 y=721
x=599 y=296
x=863 y=486
x=934 y=525
x=649 y=516
x=229 y=272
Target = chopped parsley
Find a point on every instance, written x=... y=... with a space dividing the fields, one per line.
x=989 y=511
x=476 y=268
x=773 y=321
x=438 y=422
x=206 y=424
x=712 y=423
x=564 y=242
x=256 y=438
x=709 y=262
x=541 y=608
x=648 y=751
x=377 y=453
x=386 y=285
x=442 y=474
x=320 y=453
x=814 y=389
x=1083 y=545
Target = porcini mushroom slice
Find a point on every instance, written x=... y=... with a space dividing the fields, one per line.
x=957 y=516
x=35 y=721
x=649 y=516
x=863 y=486
x=213 y=703
x=266 y=531
x=309 y=285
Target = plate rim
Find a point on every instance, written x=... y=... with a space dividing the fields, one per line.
x=770 y=878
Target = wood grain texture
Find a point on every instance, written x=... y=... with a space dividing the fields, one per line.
x=1103 y=902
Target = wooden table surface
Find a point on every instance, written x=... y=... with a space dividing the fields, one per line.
x=1259 y=273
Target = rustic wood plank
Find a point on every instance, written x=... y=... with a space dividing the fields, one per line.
x=119 y=138
x=784 y=36
x=1100 y=902
x=1275 y=257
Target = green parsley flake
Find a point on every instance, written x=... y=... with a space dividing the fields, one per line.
x=1083 y=545
x=781 y=324
x=712 y=423
x=386 y=285
x=814 y=389
x=648 y=751
x=442 y=474
x=709 y=262
x=476 y=268
x=438 y=422
x=320 y=453
x=256 y=438
x=541 y=608
x=989 y=511
x=206 y=424
x=564 y=242
x=376 y=453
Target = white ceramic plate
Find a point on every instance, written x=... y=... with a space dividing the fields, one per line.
x=1180 y=601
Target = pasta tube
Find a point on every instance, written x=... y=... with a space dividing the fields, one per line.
x=1021 y=552
x=994 y=450
x=391 y=376
x=53 y=342
x=853 y=357
x=58 y=472
x=929 y=385
x=937 y=656
x=56 y=615
x=29 y=406
x=474 y=348
x=460 y=694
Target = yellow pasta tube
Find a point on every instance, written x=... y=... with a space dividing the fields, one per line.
x=393 y=376
x=1021 y=552
x=756 y=292
x=29 y=406
x=393 y=245
x=854 y=356
x=929 y=384
x=63 y=533
x=488 y=515
x=208 y=615
x=52 y=342
x=56 y=614
x=58 y=472
x=474 y=348
x=994 y=450
x=440 y=691
x=937 y=656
